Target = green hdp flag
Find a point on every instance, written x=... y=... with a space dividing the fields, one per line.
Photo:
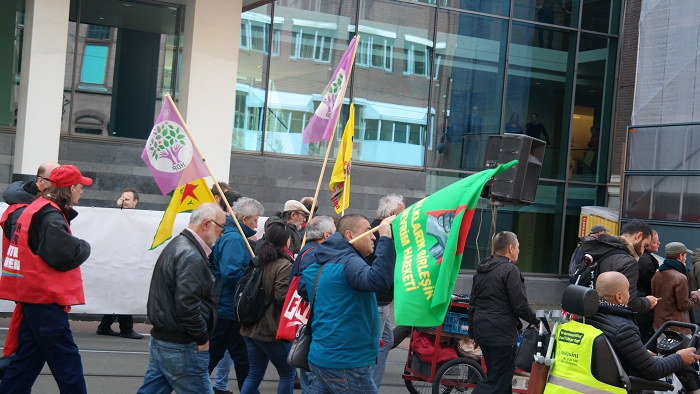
x=429 y=254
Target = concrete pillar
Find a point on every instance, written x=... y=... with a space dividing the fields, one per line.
x=208 y=79
x=41 y=84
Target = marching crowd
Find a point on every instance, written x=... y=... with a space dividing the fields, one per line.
x=196 y=326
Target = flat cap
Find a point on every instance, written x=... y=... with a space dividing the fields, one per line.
x=598 y=228
x=676 y=248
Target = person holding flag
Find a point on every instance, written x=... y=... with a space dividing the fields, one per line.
x=345 y=321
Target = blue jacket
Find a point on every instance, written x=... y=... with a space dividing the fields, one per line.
x=305 y=258
x=345 y=321
x=229 y=258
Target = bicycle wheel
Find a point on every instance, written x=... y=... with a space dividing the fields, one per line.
x=418 y=386
x=457 y=376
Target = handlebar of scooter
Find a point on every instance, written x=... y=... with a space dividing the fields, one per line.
x=693 y=327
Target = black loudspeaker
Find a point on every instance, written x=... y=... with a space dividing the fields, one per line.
x=519 y=183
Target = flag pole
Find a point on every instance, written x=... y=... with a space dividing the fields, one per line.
x=330 y=143
x=211 y=174
x=366 y=233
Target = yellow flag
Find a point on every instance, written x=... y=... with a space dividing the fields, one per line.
x=185 y=198
x=340 y=178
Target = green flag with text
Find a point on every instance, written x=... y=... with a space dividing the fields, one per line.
x=430 y=236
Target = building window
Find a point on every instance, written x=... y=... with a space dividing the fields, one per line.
x=286 y=121
x=417 y=61
x=94 y=64
x=311 y=44
x=97 y=32
x=254 y=36
x=375 y=51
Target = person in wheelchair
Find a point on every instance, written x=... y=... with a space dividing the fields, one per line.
x=583 y=361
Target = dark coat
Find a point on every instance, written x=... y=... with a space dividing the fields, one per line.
x=181 y=297
x=17 y=193
x=295 y=243
x=498 y=302
x=624 y=263
x=648 y=265
x=672 y=288
x=618 y=326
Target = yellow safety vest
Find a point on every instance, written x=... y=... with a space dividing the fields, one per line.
x=571 y=370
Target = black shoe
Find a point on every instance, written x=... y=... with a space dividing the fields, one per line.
x=222 y=391
x=132 y=335
x=108 y=331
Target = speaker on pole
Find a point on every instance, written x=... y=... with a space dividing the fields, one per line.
x=519 y=183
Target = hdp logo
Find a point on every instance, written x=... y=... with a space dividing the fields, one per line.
x=331 y=98
x=169 y=148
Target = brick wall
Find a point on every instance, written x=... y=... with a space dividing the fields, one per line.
x=625 y=85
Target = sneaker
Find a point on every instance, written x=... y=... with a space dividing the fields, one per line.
x=222 y=391
x=132 y=335
x=108 y=331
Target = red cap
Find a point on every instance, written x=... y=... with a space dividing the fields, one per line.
x=67 y=175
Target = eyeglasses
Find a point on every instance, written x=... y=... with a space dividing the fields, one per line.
x=220 y=226
x=306 y=217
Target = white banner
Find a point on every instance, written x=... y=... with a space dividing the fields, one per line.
x=117 y=275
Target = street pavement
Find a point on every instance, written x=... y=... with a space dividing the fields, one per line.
x=115 y=365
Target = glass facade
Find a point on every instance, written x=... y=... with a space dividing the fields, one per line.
x=660 y=186
x=433 y=80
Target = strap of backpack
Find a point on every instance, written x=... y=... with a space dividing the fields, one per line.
x=301 y=258
x=313 y=293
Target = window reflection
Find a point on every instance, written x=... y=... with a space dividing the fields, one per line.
x=538 y=89
x=552 y=12
x=467 y=91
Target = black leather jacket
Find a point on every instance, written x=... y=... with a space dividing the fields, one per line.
x=181 y=298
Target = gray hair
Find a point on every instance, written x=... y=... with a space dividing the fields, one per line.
x=387 y=204
x=503 y=240
x=318 y=226
x=206 y=211
x=246 y=206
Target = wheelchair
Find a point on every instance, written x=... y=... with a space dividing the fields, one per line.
x=606 y=366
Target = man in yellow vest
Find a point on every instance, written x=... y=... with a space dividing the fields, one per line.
x=574 y=347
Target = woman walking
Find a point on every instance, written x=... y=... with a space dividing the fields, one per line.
x=260 y=338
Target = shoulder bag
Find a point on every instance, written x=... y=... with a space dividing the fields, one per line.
x=298 y=356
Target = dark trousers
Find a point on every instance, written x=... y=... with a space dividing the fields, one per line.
x=126 y=323
x=646 y=331
x=227 y=336
x=500 y=367
x=44 y=337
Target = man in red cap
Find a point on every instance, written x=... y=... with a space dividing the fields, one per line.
x=40 y=270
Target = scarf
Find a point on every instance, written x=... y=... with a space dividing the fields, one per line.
x=602 y=302
x=669 y=264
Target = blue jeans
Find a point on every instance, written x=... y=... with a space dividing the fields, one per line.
x=175 y=366
x=388 y=337
x=223 y=371
x=259 y=354
x=306 y=379
x=347 y=381
x=44 y=337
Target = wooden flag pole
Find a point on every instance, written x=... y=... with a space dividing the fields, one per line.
x=211 y=174
x=330 y=142
x=366 y=233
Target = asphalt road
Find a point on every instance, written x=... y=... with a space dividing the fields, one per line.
x=114 y=365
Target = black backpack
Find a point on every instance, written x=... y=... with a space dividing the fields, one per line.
x=586 y=273
x=248 y=303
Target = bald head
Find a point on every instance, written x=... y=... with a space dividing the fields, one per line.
x=44 y=173
x=613 y=287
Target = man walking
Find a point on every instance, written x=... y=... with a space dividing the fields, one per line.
x=577 y=256
x=41 y=272
x=181 y=308
x=128 y=200
x=497 y=304
x=648 y=265
x=620 y=254
x=345 y=321
x=230 y=257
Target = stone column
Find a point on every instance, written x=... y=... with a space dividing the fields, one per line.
x=208 y=79
x=41 y=84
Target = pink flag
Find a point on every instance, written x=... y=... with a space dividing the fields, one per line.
x=169 y=152
x=321 y=125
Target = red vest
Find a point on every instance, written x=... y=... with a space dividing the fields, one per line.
x=27 y=278
x=5 y=215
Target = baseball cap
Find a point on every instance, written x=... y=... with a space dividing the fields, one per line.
x=294 y=205
x=67 y=175
x=598 y=228
x=676 y=248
